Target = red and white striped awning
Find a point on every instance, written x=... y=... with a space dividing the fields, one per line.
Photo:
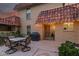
x=63 y=14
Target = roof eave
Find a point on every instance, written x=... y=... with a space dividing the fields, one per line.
x=29 y=5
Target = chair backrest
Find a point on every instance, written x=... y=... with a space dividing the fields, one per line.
x=7 y=42
x=27 y=40
x=11 y=37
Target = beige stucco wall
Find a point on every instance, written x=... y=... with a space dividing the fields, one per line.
x=23 y=21
x=60 y=34
x=76 y=29
x=35 y=12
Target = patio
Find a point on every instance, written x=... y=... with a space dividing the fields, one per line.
x=38 y=48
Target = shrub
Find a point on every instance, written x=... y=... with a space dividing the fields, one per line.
x=1 y=42
x=68 y=49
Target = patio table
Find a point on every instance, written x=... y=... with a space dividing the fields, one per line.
x=18 y=44
x=17 y=39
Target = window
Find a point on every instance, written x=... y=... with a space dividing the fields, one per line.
x=28 y=14
x=5 y=27
x=28 y=29
x=68 y=26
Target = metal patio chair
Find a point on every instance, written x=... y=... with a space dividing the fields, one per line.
x=25 y=43
x=11 y=45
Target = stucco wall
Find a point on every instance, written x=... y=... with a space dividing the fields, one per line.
x=35 y=12
x=76 y=29
x=23 y=21
x=62 y=35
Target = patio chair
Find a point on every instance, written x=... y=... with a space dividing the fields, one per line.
x=25 y=43
x=11 y=45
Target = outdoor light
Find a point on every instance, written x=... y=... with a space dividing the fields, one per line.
x=68 y=23
x=68 y=26
x=37 y=25
x=53 y=27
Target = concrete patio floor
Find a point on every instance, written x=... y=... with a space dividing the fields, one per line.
x=38 y=48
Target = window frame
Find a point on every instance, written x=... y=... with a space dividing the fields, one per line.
x=28 y=14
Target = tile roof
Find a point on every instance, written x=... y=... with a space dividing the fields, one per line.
x=62 y=14
x=21 y=6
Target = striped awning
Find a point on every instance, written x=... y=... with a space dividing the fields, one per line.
x=63 y=14
x=13 y=20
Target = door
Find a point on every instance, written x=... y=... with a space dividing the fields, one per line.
x=46 y=30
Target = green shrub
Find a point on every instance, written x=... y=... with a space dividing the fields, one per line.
x=16 y=34
x=1 y=42
x=68 y=49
